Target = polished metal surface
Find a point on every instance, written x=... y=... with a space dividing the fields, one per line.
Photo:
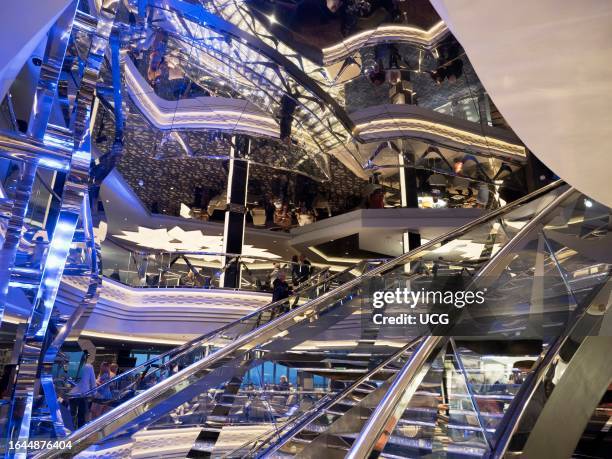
x=377 y=431
x=133 y=411
x=28 y=149
x=74 y=208
x=396 y=399
x=85 y=64
x=324 y=123
x=576 y=396
x=518 y=410
x=55 y=52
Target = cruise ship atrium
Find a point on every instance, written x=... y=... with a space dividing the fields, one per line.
x=305 y=228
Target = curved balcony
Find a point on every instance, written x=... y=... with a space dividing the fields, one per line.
x=378 y=123
x=214 y=113
x=385 y=122
x=386 y=33
x=154 y=315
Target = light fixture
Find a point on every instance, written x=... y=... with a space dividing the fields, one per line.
x=272 y=19
x=380 y=128
x=178 y=239
x=588 y=203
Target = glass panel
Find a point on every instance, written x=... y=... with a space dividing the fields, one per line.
x=204 y=269
x=294 y=435
x=539 y=291
x=144 y=376
x=312 y=334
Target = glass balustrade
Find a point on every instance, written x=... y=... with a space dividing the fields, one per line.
x=337 y=327
x=482 y=390
x=133 y=382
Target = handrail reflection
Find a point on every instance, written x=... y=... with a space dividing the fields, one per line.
x=177 y=352
x=97 y=430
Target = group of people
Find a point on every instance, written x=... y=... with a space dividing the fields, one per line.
x=301 y=269
x=82 y=408
x=303 y=215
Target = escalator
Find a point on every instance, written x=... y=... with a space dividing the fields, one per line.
x=126 y=385
x=337 y=329
x=299 y=430
x=497 y=383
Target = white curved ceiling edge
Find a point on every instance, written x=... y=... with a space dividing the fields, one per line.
x=394 y=33
x=199 y=112
x=547 y=66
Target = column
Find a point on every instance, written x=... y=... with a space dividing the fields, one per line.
x=409 y=195
x=235 y=213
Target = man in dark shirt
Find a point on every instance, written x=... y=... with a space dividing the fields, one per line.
x=280 y=288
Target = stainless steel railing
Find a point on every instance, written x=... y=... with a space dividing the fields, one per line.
x=385 y=417
x=120 y=416
x=513 y=416
x=175 y=353
x=292 y=427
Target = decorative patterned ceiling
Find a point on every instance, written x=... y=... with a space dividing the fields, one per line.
x=159 y=171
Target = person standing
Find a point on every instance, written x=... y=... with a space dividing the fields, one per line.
x=115 y=275
x=104 y=393
x=436 y=266
x=274 y=273
x=79 y=405
x=39 y=251
x=280 y=288
x=304 y=269
x=295 y=270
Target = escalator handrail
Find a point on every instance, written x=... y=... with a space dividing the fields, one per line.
x=380 y=421
x=316 y=410
x=80 y=437
x=402 y=384
x=176 y=352
x=514 y=414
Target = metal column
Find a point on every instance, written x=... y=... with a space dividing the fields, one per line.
x=74 y=211
x=235 y=214
x=409 y=194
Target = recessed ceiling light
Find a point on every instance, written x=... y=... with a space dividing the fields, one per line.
x=588 y=203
